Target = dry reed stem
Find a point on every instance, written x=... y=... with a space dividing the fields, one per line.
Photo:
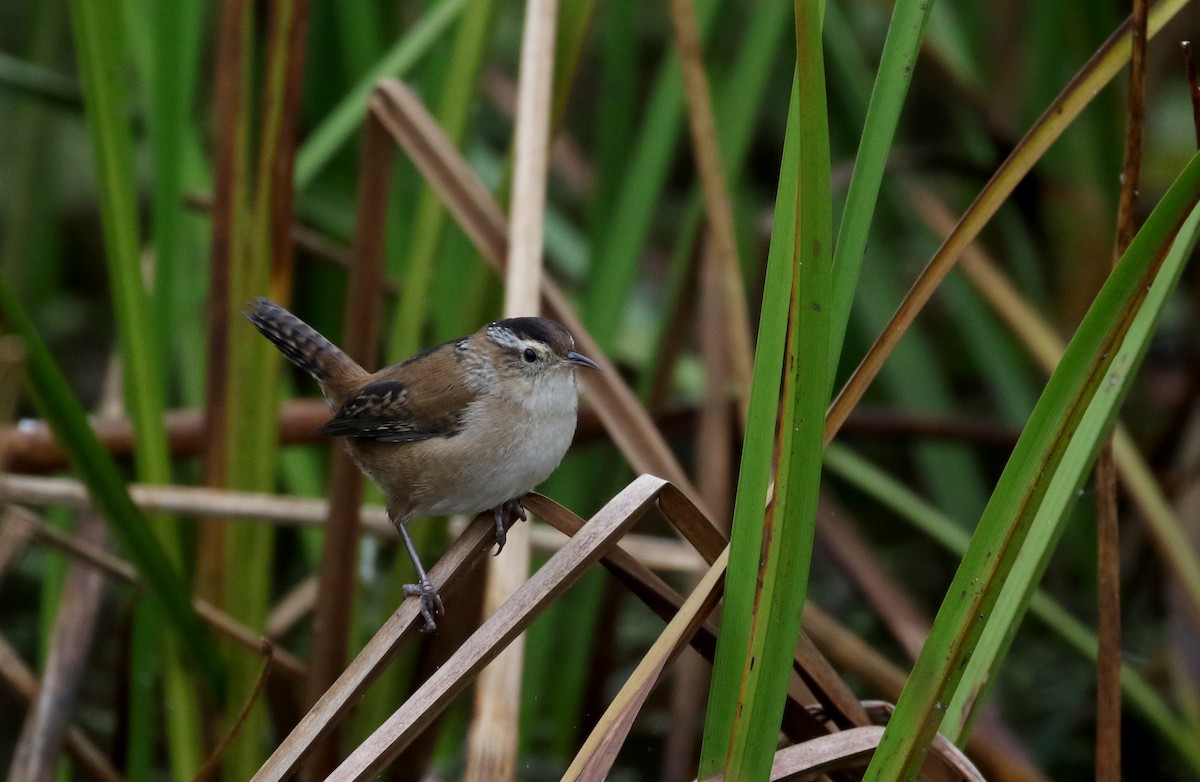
x=476 y=212
x=360 y=340
x=664 y=601
x=852 y=749
x=523 y=276
x=658 y=553
x=36 y=754
x=32 y=447
x=188 y=501
x=551 y=580
x=722 y=271
x=123 y=571
x=412 y=765
x=447 y=575
x=87 y=757
x=945 y=763
x=465 y=552
x=595 y=758
x=1108 y=540
x=230 y=165
x=494 y=730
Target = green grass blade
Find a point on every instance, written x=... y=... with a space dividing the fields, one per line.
x=38 y=81
x=96 y=43
x=617 y=40
x=899 y=58
x=949 y=534
x=30 y=269
x=619 y=243
x=769 y=557
x=339 y=126
x=98 y=40
x=1037 y=457
x=754 y=473
x=1048 y=525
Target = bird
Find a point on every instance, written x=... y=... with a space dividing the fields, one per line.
x=470 y=425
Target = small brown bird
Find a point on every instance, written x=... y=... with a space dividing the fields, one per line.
x=469 y=425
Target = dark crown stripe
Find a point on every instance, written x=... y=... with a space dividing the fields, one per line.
x=538 y=330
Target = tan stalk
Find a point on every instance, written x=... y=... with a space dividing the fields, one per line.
x=656 y=552
x=480 y=218
x=32 y=447
x=852 y=749
x=723 y=273
x=493 y=734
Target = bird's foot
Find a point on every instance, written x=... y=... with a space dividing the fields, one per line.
x=431 y=602
x=503 y=514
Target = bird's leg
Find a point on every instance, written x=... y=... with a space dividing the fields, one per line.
x=503 y=513
x=431 y=601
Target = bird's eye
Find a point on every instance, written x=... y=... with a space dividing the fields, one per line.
x=529 y=355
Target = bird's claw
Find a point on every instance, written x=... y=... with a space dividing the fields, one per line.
x=431 y=602
x=502 y=513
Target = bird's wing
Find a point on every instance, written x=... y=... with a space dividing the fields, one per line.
x=403 y=407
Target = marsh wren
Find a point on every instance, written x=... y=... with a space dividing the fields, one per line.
x=470 y=425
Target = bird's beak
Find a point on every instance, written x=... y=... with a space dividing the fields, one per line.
x=574 y=359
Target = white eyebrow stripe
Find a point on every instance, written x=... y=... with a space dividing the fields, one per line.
x=505 y=338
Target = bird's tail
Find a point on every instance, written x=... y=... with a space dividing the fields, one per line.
x=304 y=346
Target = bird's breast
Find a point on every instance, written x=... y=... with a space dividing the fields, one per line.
x=503 y=449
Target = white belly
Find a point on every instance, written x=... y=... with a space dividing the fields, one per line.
x=518 y=458
x=506 y=447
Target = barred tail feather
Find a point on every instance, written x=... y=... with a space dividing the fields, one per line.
x=304 y=346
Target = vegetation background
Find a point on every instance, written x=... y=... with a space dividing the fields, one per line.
x=129 y=193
